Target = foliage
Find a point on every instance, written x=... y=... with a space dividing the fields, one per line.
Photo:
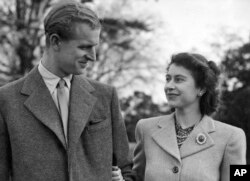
x=124 y=55
x=236 y=96
x=140 y=106
x=120 y=55
x=20 y=36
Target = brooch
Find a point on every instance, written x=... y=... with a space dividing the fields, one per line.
x=201 y=139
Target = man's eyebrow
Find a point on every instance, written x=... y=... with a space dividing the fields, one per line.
x=87 y=45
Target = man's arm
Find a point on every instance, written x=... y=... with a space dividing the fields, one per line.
x=120 y=140
x=5 y=160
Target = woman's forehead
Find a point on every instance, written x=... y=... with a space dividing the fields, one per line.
x=178 y=69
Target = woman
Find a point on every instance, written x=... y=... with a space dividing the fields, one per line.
x=188 y=145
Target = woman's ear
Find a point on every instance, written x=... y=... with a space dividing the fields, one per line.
x=202 y=91
x=55 y=41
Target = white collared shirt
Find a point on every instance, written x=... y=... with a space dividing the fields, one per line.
x=51 y=81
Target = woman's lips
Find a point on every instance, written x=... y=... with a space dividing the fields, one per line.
x=170 y=95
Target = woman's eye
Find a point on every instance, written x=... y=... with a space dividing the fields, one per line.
x=178 y=80
x=168 y=79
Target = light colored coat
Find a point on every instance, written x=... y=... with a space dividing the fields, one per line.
x=32 y=144
x=158 y=158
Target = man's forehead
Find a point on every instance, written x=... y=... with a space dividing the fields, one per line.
x=71 y=11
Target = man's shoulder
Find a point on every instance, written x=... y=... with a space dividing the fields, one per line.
x=99 y=85
x=101 y=89
x=12 y=86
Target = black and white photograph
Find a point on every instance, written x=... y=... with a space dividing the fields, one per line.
x=124 y=90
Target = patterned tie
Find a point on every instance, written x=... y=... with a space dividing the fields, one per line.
x=63 y=105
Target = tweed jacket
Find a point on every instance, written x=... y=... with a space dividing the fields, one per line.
x=32 y=144
x=158 y=158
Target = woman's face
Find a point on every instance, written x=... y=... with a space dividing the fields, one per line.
x=180 y=88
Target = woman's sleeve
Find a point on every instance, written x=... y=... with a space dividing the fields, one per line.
x=235 y=153
x=139 y=153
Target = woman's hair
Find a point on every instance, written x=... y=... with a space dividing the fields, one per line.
x=63 y=16
x=206 y=75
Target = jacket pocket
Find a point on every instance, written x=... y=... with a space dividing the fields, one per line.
x=97 y=124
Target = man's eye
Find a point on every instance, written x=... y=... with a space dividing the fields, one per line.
x=85 y=47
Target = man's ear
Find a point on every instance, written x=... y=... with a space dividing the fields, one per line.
x=55 y=41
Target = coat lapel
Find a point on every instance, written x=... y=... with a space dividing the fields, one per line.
x=41 y=104
x=165 y=136
x=81 y=105
x=191 y=146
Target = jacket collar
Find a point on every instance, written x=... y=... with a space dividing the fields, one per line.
x=41 y=104
x=192 y=144
x=165 y=137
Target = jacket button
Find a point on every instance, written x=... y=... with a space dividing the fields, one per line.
x=175 y=169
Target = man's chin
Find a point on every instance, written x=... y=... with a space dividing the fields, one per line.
x=79 y=72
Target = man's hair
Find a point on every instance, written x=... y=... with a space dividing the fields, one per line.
x=62 y=18
x=206 y=75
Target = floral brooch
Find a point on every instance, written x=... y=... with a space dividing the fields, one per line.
x=201 y=139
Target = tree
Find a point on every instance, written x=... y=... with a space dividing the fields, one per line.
x=121 y=55
x=237 y=65
x=125 y=54
x=235 y=109
x=140 y=106
x=20 y=35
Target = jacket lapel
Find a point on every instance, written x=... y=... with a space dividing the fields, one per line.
x=41 y=104
x=81 y=105
x=165 y=136
x=191 y=146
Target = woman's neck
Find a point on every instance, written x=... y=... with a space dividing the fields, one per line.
x=187 y=118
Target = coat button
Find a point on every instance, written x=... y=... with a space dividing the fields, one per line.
x=175 y=169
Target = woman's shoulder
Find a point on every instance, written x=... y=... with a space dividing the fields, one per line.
x=152 y=122
x=228 y=130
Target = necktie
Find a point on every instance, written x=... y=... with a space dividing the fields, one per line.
x=63 y=105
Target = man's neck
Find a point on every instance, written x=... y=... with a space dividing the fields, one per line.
x=49 y=61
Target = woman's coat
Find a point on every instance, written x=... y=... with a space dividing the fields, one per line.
x=158 y=158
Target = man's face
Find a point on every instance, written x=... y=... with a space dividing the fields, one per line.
x=73 y=55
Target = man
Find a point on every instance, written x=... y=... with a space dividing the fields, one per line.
x=56 y=125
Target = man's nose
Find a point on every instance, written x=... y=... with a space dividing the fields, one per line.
x=91 y=55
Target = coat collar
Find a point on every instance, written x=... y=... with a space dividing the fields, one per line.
x=41 y=104
x=204 y=128
x=165 y=137
x=81 y=105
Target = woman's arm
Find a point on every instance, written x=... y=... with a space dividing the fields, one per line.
x=235 y=153
x=139 y=154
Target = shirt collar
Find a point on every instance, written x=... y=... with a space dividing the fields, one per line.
x=50 y=79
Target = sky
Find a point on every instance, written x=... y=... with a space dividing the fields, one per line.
x=186 y=25
x=194 y=24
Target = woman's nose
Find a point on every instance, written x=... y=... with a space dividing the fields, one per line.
x=169 y=85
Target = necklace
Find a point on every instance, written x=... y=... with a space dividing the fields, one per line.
x=181 y=133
